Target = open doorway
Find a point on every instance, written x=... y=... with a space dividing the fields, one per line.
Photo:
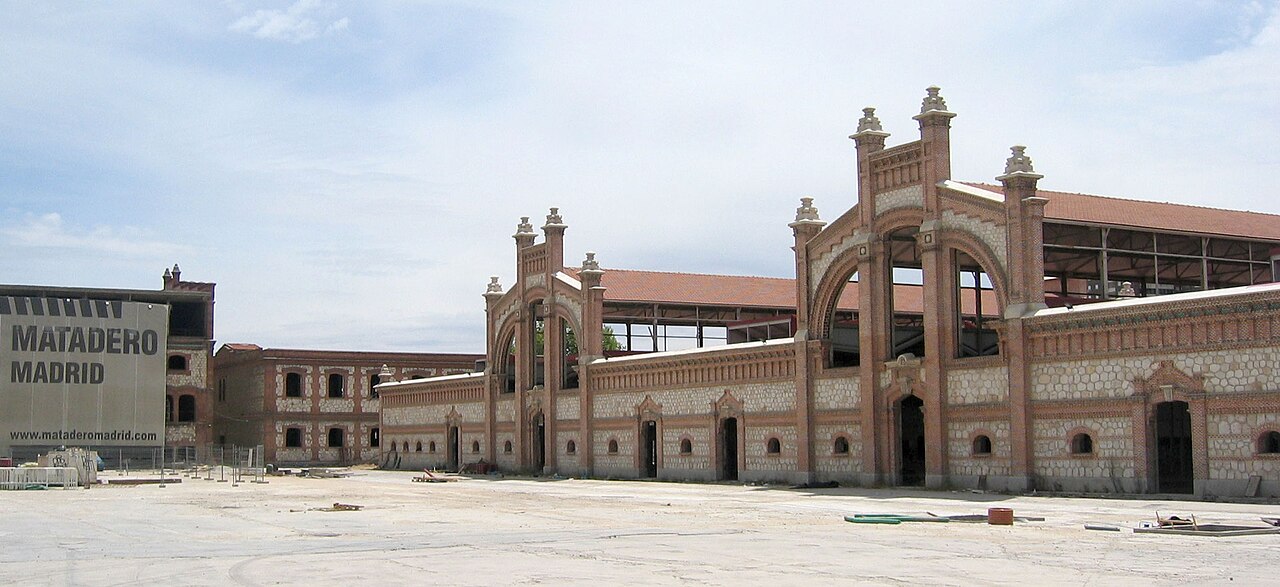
x=911 y=465
x=649 y=449
x=1174 y=472
x=455 y=449
x=539 y=444
x=729 y=449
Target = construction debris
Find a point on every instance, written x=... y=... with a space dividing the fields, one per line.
x=428 y=477
x=340 y=507
x=1103 y=527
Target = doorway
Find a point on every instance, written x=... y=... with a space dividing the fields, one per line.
x=911 y=464
x=729 y=449
x=539 y=444
x=1174 y=472
x=649 y=449
x=455 y=448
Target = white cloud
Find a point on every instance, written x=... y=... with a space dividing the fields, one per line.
x=49 y=231
x=295 y=24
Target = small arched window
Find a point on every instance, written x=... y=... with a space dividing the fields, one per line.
x=431 y=446
x=374 y=380
x=773 y=447
x=1269 y=443
x=336 y=437
x=177 y=363
x=613 y=446
x=187 y=408
x=571 y=447
x=336 y=381
x=418 y=447
x=506 y=447
x=406 y=446
x=293 y=385
x=293 y=438
x=686 y=446
x=1081 y=444
x=475 y=446
x=840 y=446
x=982 y=445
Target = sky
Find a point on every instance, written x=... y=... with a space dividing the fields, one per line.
x=350 y=173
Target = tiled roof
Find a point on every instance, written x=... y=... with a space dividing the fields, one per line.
x=1162 y=216
x=241 y=346
x=658 y=287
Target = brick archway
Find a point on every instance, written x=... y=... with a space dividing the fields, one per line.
x=1168 y=384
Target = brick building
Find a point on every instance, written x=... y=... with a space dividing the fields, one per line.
x=310 y=406
x=188 y=416
x=937 y=333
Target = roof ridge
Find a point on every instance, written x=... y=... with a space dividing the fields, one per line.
x=1196 y=206
x=609 y=269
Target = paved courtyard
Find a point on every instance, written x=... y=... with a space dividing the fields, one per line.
x=490 y=531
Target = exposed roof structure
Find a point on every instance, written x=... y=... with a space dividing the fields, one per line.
x=1164 y=216
x=660 y=287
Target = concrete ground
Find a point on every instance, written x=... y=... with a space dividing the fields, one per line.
x=491 y=531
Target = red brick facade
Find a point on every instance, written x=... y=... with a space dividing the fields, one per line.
x=1174 y=393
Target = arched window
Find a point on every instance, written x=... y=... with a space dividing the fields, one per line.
x=843 y=328
x=406 y=446
x=187 y=408
x=840 y=446
x=773 y=447
x=568 y=356
x=375 y=438
x=1269 y=443
x=686 y=446
x=475 y=446
x=976 y=309
x=506 y=447
x=293 y=438
x=335 y=437
x=177 y=363
x=1081 y=444
x=393 y=446
x=982 y=444
x=374 y=380
x=293 y=385
x=431 y=446
x=571 y=447
x=418 y=447
x=336 y=381
x=907 y=294
x=613 y=446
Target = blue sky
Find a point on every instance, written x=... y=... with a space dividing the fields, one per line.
x=350 y=173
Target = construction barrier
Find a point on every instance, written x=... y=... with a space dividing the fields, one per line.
x=38 y=477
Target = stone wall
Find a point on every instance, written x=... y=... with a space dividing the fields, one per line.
x=836 y=393
x=982 y=385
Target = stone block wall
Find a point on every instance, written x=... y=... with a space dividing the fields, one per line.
x=830 y=465
x=983 y=385
x=1111 y=467
x=836 y=393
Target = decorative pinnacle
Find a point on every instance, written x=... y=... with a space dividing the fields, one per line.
x=590 y=263
x=554 y=219
x=807 y=214
x=386 y=373
x=869 y=122
x=1019 y=165
x=933 y=101
x=524 y=227
x=494 y=286
x=806 y=211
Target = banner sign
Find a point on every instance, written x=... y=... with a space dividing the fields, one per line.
x=81 y=372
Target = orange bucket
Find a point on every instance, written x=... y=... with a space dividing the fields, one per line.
x=1000 y=516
